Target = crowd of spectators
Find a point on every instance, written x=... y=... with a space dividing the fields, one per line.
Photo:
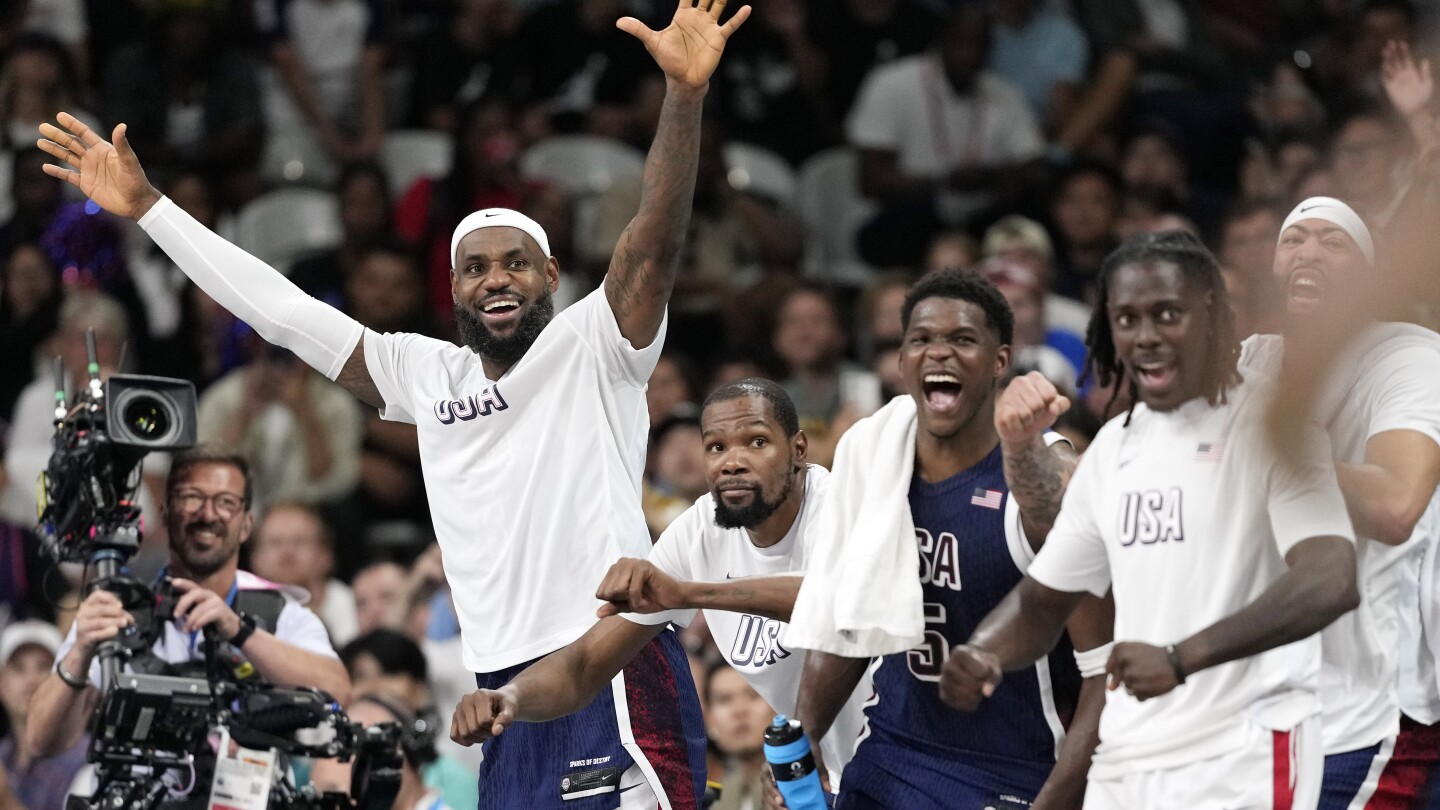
x=849 y=146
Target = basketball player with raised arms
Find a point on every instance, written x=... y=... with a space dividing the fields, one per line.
x=1380 y=404
x=1225 y=560
x=532 y=435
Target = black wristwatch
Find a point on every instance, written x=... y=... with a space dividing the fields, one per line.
x=247 y=628
x=72 y=681
x=1174 y=657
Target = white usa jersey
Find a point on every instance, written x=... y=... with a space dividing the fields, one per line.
x=1188 y=516
x=695 y=548
x=1387 y=379
x=533 y=479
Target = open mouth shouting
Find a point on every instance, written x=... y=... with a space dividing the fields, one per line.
x=1306 y=289
x=942 y=391
x=1156 y=376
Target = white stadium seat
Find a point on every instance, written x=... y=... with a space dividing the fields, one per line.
x=833 y=210
x=287 y=224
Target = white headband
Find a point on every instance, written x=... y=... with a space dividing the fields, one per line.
x=1337 y=212
x=499 y=218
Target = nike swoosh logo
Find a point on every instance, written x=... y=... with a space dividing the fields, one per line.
x=1307 y=208
x=497 y=213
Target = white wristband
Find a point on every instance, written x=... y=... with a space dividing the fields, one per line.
x=1092 y=662
x=253 y=291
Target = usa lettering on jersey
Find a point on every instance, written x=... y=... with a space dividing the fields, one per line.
x=1152 y=516
x=484 y=403
x=939 y=559
x=757 y=642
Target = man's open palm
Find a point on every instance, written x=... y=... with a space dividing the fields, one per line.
x=689 y=49
x=110 y=175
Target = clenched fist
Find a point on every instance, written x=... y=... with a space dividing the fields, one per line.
x=1027 y=407
x=970 y=675
x=482 y=714
x=1143 y=669
x=637 y=586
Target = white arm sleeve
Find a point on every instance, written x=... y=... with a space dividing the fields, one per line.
x=254 y=291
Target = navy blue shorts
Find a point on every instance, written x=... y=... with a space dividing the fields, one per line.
x=1348 y=775
x=888 y=774
x=646 y=729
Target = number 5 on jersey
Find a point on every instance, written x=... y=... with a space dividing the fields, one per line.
x=927 y=660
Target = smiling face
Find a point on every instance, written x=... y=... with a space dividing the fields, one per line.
x=502 y=284
x=1159 y=324
x=1319 y=266
x=207 y=519
x=950 y=362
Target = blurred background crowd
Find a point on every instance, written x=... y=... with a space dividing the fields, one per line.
x=849 y=146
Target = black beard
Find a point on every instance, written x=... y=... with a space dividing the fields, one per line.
x=748 y=517
x=505 y=350
x=199 y=566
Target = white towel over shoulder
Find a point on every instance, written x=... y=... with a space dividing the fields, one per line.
x=862 y=596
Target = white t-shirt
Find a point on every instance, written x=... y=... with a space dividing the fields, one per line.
x=695 y=548
x=909 y=108
x=296 y=625
x=1387 y=379
x=1189 y=517
x=1418 y=682
x=533 y=479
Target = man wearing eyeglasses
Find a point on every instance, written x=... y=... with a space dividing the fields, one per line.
x=207 y=513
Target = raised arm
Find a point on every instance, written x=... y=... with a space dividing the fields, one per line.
x=564 y=682
x=639 y=586
x=642 y=270
x=1036 y=474
x=111 y=176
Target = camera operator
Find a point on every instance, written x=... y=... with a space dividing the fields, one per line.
x=207 y=513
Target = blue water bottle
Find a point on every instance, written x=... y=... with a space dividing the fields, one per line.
x=788 y=752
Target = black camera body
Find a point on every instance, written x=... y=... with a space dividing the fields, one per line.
x=151 y=722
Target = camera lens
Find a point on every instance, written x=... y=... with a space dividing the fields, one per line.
x=147 y=417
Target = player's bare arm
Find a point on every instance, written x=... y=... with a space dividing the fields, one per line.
x=1091 y=627
x=638 y=586
x=110 y=174
x=827 y=683
x=642 y=270
x=564 y=682
x=1037 y=474
x=1023 y=627
x=1318 y=588
x=1387 y=494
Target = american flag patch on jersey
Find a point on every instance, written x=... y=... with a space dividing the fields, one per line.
x=1209 y=451
x=988 y=498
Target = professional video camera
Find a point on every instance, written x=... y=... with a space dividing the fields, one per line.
x=149 y=724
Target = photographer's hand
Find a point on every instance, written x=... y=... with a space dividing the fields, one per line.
x=100 y=618
x=200 y=607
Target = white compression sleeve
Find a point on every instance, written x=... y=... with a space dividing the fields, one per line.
x=1092 y=662
x=253 y=291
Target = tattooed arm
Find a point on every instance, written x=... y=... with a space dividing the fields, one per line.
x=642 y=270
x=1036 y=474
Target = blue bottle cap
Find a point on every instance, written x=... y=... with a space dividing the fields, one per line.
x=780 y=721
